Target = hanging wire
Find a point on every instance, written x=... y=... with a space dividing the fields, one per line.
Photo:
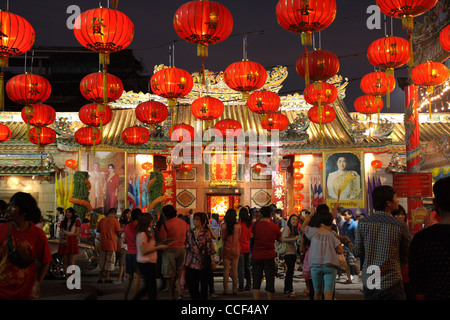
x=245 y=47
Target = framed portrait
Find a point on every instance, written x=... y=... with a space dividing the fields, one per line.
x=343 y=173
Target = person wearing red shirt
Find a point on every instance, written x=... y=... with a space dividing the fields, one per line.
x=131 y=267
x=265 y=233
x=244 y=270
x=18 y=283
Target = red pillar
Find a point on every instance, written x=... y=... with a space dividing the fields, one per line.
x=412 y=144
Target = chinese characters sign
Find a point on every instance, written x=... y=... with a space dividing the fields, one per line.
x=170 y=187
x=279 y=196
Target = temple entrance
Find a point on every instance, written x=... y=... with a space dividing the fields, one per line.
x=220 y=201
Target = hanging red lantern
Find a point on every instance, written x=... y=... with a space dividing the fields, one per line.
x=275 y=121
x=245 y=76
x=378 y=84
x=72 y=164
x=405 y=9
x=182 y=132
x=171 y=83
x=92 y=87
x=326 y=115
x=151 y=112
x=104 y=30
x=368 y=105
x=203 y=23
x=88 y=137
x=298 y=164
x=28 y=88
x=5 y=133
x=376 y=164
x=322 y=65
x=429 y=75
x=299 y=208
x=229 y=127
x=263 y=102
x=444 y=38
x=147 y=166
x=38 y=115
x=388 y=53
x=207 y=108
x=259 y=167
x=17 y=36
x=135 y=135
x=42 y=136
x=95 y=115
x=306 y=17
x=326 y=94
x=299 y=186
x=320 y=165
x=299 y=197
x=185 y=167
x=298 y=176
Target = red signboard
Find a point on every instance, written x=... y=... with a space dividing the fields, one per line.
x=279 y=194
x=170 y=187
x=413 y=185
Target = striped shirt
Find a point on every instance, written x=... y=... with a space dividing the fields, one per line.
x=383 y=241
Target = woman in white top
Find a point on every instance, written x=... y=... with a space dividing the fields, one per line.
x=323 y=260
x=147 y=256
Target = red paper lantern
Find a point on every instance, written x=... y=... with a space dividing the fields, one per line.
x=185 y=167
x=151 y=112
x=299 y=208
x=28 y=88
x=245 y=76
x=207 y=108
x=275 y=121
x=388 y=53
x=405 y=9
x=135 y=135
x=229 y=127
x=147 y=166
x=444 y=38
x=5 y=133
x=298 y=164
x=305 y=17
x=182 y=132
x=322 y=65
x=17 y=36
x=38 y=115
x=299 y=196
x=203 y=23
x=95 y=115
x=104 y=30
x=73 y=164
x=42 y=136
x=259 y=167
x=368 y=104
x=171 y=83
x=377 y=164
x=327 y=114
x=320 y=165
x=429 y=75
x=299 y=186
x=325 y=94
x=378 y=84
x=263 y=102
x=92 y=87
x=298 y=176
x=88 y=136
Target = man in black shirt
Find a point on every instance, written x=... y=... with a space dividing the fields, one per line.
x=429 y=254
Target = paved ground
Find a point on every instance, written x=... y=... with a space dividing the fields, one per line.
x=91 y=290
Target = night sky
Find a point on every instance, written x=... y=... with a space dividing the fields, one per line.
x=268 y=43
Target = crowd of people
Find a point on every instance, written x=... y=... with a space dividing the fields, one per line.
x=183 y=252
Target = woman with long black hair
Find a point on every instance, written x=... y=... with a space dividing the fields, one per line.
x=231 y=233
x=70 y=231
x=244 y=269
x=290 y=236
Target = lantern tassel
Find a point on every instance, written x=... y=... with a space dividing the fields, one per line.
x=411 y=50
x=2 y=91
x=388 y=95
x=306 y=38
x=4 y=61
x=407 y=23
x=306 y=67
x=103 y=58
x=202 y=51
x=429 y=92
